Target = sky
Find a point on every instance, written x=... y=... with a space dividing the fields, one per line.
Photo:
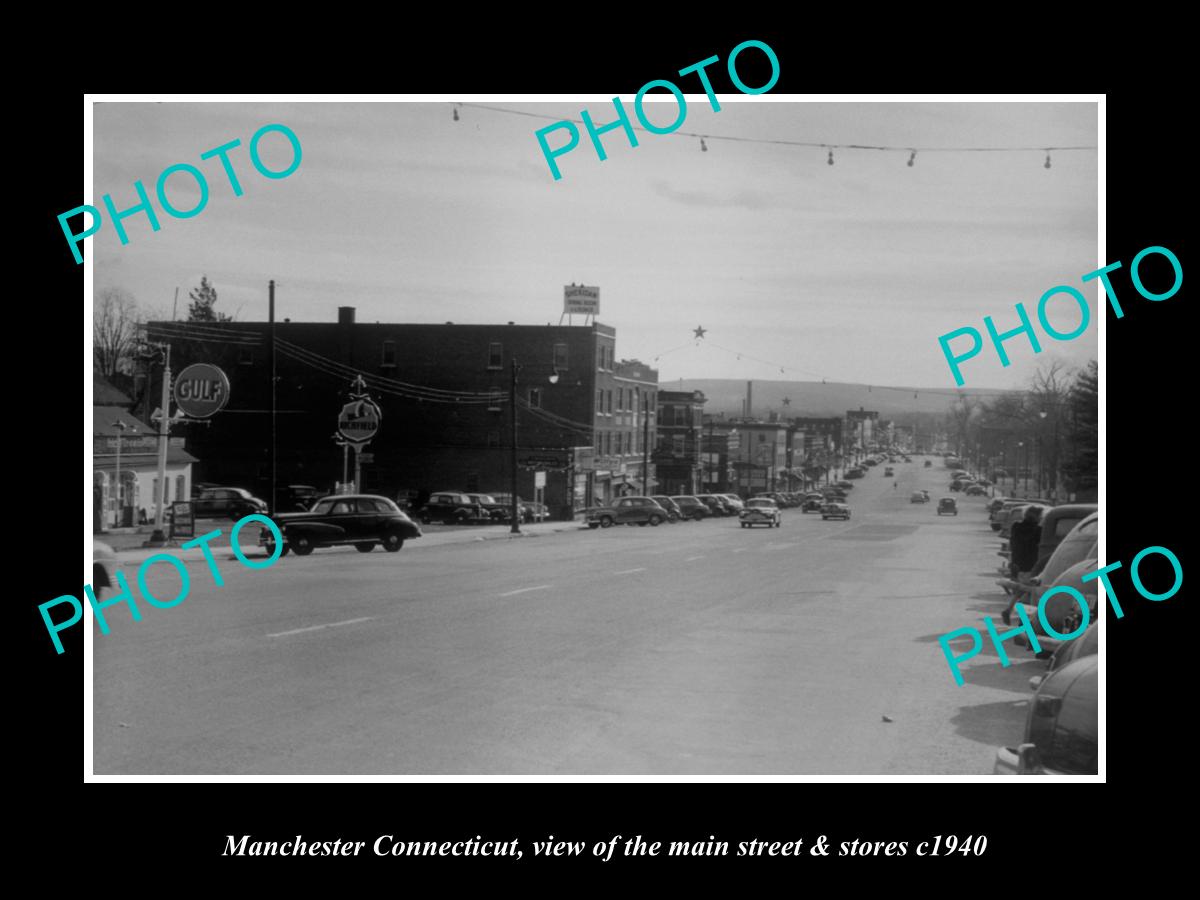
x=848 y=272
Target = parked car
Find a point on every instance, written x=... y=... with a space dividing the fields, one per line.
x=1016 y=514
x=845 y=485
x=855 y=473
x=529 y=510
x=1087 y=644
x=760 y=511
x=719 y=506
x=835 y=511
x=496 y=511
x=919 y=497
x=674 y=513
x=298 y=498
x=451 y=508
x=929 y=464
x=627 y=511
x=222 y=502
x=363 y=520
x=976 y=490
x=735 y=501
x=691 y=508
x=1061 y=727
x=1057 y=523
x=888 y=472
x=947 y=506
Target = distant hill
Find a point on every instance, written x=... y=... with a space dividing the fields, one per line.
x=818 y=399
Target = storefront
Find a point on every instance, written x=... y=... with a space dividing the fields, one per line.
x=125 y=470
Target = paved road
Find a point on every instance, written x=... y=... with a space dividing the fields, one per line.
x=698 y=648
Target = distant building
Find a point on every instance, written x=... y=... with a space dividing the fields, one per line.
x=677 y=455
x=761 y=458
x=125 y=463
x=719 y=442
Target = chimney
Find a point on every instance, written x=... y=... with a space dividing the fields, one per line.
x=345 y=315
x=749 y=399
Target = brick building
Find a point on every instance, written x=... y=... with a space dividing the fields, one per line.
x=443 y=391
x=677 y=453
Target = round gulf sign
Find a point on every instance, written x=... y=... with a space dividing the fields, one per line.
x=359 y=421
x=201 y=390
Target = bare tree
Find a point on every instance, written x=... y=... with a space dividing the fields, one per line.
x=115 y=320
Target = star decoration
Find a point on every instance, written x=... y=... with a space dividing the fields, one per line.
x=699 y=331
x=787 y=401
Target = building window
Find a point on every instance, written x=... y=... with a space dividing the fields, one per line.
x=495 y=355
x=600 y=402
x=180 y=488
x=535 y=397
x=246 y=356
x=495 y=399
x=608 y=401
x=389 y=354
x=620 y=399
x=677 y=445
x=560 y=357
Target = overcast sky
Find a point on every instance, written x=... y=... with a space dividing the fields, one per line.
x=848 y=272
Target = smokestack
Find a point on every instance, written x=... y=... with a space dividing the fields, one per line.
x=749 y=399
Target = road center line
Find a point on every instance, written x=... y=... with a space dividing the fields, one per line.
x=319 y=627
x=693 y=558
x=540 y=587
x=629 y=571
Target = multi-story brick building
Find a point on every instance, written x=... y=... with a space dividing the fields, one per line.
x=677 y=454
x=443 y=391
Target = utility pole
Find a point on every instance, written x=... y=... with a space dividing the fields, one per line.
x=646 y=448
x=271 y=322
x=514 y=506
x=164 y=430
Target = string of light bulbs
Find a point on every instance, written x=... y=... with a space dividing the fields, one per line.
x=829 y=146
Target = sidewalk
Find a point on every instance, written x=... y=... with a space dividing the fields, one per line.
x=129 y=547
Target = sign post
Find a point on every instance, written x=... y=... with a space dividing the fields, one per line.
x=358 y=423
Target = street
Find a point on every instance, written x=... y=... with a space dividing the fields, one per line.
x=691 y=649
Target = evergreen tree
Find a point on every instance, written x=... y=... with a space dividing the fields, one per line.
x=1081 y=462
x=204 y=298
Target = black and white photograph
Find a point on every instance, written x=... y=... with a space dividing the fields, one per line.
x=674 y=436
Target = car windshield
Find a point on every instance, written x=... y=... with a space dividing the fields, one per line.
x=761 y=503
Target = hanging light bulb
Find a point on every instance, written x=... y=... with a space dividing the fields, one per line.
x=703 y=146
x=912 y=159
x=456 y=113
x=831 y=156
x=1047 y=159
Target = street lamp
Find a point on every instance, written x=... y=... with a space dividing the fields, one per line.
x=515 y=506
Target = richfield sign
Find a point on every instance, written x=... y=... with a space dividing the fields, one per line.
x=579 y=299
x=358 y=421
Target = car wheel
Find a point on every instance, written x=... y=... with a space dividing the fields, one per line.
x=606 y=521
x=743 y=524
x=593 y=524
x=655 y=520
x=269 y=546
x=779 y=524
x=640 y=524
x=365 y=548
x=302 y=545
x=823 y=518
x=392 y=541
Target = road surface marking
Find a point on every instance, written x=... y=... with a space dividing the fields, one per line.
x=319 y=627
x=540 y=587
x=629 y=571
x=740 y=550
x=693 y=558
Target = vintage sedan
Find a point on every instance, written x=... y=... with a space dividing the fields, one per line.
x=362 y=520
x=835 y=511
x=760 y=511
x=452 y=508
x=627 y=511
x=919 y=497
x=947 y=507
x=1061 y=727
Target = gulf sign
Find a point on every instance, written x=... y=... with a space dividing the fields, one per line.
x=201 y=390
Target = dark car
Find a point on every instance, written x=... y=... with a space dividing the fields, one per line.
x=1057 y=523
x=928 y=464
x=452 y=508
x=298 y=498
x=496 y=511
x=719 y=505
x=691 y=508
x=735 y=502
x=529 y=510
x=674 y=513
x=976 y=490
x=363 y=520
x=627 y=511
x=845 y=485
x=760 y=511
x=855 y=473
x=1062 y=726
x=835 y=511
x=222 y=502
x=947 y=506
x=919 y=497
